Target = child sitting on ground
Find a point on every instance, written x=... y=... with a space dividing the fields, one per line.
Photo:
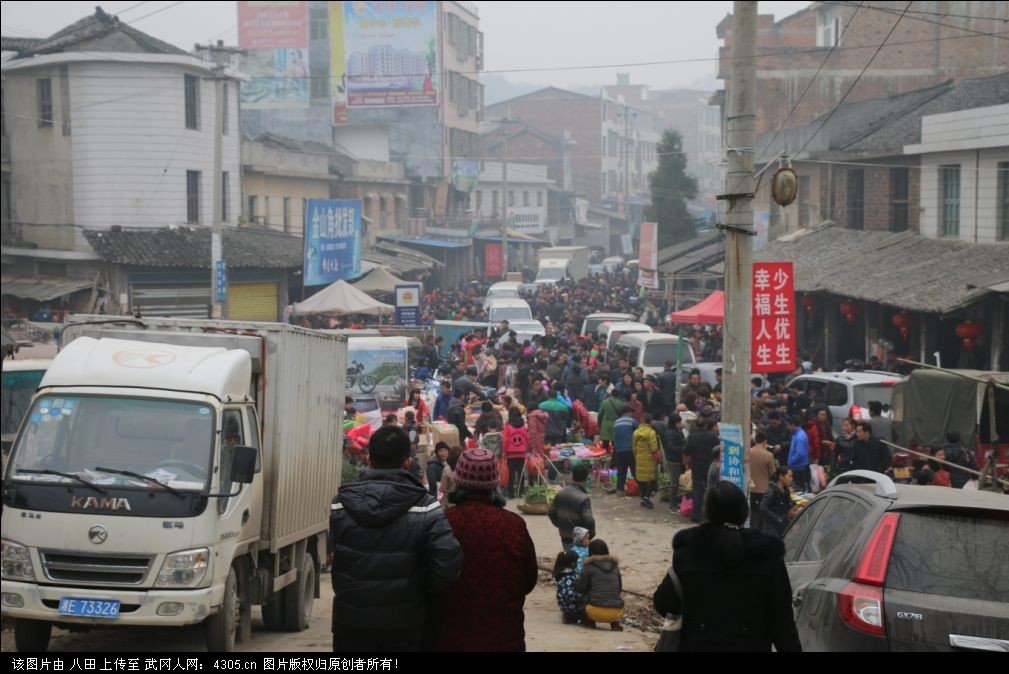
x=568 y=599
x=600 y=586
x=580 y=546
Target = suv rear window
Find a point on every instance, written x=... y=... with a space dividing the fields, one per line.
x=951 y=555
x=866 y=392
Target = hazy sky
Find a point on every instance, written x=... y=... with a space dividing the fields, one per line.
x=528 y=36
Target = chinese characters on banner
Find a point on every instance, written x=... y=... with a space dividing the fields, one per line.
x=274 y=36
x=732 y=471
x=492 y=263
x=648 y=256
x=332 y=240
x=773 y=318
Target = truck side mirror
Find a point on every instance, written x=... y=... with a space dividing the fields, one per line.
x=243 y=464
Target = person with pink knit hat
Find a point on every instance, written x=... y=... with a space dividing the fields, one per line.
x=499 y=565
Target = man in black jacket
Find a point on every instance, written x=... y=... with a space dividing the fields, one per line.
x=698 y=448
x=393 y=550
x=457 y=415
x=869 y=451
x=673 y=442
x=572 y=507
x=652 y=399
x=667 y=387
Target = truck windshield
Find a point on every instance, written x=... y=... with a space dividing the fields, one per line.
x=550 y=274
x=18 y=389
x=169 y=441
x=510 y=314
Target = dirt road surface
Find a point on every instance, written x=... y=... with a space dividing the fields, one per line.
x=640 y=538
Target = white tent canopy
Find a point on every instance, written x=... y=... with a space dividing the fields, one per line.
x=341 y=299
x=378 y=281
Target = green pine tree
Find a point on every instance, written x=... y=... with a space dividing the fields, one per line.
x=672 y=188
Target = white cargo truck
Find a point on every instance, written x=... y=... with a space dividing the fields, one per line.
x=560 y=262
x=172 y=472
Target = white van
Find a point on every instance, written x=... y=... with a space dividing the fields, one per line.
x=502 y=290
x=592 y=322
x=508 y=309
x=650 y=351
x=611 y=332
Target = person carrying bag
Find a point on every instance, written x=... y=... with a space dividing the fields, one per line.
x=669 y=637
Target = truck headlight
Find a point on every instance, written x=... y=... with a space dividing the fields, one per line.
x=184 y=569
x=15 y=562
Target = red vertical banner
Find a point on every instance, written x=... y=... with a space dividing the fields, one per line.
x=492 y=263
x=773 y=318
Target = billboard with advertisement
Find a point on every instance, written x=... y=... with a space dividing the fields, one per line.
x=648 y=256
x=528 y=220
x=773 y=318
x=274 y=36
x=391 y=53
x=733 y=457
x=372 y=368
x=332 y=241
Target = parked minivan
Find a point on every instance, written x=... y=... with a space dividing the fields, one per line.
x=501 y=290
x=650 y=351
x=508 y=309
x=592 y=322
x=613 y=331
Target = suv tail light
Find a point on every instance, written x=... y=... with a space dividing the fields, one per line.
x=856 y=413
x=861 y=601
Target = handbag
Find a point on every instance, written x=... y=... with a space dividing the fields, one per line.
x=669 y=637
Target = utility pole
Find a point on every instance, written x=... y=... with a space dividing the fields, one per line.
x=221 y=56
x=627 y=156
x=738 y=226
x=507 y=219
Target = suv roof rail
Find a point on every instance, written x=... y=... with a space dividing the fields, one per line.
x=884 y=485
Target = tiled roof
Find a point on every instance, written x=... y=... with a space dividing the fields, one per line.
x=902 y=269
x=82 y=35
x=189 y=247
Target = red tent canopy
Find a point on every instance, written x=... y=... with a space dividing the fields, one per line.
x=710 y=310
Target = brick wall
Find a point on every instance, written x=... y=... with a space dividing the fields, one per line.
x=919 y=54
x=877 y=189
x=555 y=111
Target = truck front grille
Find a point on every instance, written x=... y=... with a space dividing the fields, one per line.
x=95 y=569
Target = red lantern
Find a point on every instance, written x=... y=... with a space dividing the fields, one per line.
x=904 y=321
x=850 y=310
x=808 y=302
x=968 y=331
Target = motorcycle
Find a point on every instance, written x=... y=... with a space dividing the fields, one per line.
x=355 y=375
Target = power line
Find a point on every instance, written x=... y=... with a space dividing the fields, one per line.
x=950 y=15
x=853 y=84
x=157 y=11
x=886 y=10
x=837 y=41
x=132 y=7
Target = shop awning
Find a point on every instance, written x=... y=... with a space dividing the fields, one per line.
x=41 y=288
x=431 y=243
x=709 y=311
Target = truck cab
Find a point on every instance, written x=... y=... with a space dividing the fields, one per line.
x=149 y=486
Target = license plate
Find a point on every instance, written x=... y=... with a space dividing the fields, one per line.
x=902 y=473
x=90 y=608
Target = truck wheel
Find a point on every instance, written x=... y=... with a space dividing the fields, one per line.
x=32 y=636
x=298 y=597
x=222 y=628
x=273 y=612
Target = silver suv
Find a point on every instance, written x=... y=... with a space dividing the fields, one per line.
x=847 y=393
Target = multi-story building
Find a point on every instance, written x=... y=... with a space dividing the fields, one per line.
x=808 y=59
x=108 y=128
x=376 y=121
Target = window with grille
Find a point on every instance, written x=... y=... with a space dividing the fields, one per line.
x=192 y=196
x=856 y=199
x=1003 y=201
x=949 y=186
x=224 y=196
x=192 y=84
x=45 y=89
x=899 y=199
